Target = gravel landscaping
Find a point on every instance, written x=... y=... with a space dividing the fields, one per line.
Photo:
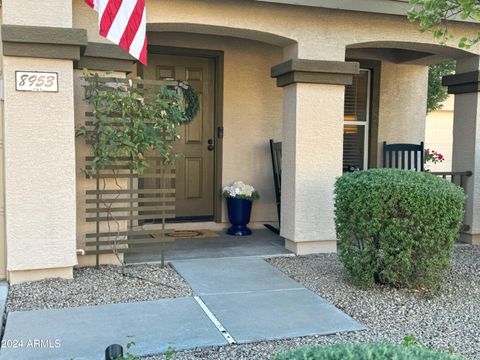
x=106 y=285
x=450 y=318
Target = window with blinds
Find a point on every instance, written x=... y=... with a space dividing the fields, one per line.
x=356 y=122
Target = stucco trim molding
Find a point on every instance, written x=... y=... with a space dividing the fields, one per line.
x=391 y=7
x=43 y=42
x=463 y=83
x=107 y=57
x=315 y=72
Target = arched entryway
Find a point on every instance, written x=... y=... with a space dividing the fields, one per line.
x=242 y=110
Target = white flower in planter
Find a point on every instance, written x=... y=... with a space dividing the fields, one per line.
x=240 y=190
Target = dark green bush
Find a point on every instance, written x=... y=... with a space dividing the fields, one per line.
x=397 y=227
x=365 y=352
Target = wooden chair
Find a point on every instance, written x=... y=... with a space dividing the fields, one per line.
x=404 y=156
x=276 y=152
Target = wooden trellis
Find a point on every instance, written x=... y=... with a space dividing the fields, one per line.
x=122 y=202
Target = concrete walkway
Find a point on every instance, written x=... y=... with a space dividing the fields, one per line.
x=238 y=300
x=83 y=333
x=254 y=301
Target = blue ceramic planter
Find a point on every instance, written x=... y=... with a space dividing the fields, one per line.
x=239 y=211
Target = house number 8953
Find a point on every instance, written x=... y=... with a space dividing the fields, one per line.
x=36 y=81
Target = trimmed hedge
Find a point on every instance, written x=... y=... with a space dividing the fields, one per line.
x=365 y=352
x=397 y=227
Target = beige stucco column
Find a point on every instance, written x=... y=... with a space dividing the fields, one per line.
x=39 y=140
x=312 y=150
x=402 y=104
x=465 y=84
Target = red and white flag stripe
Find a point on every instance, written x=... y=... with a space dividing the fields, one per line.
x=123 y=22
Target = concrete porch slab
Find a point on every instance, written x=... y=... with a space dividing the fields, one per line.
x=281 y=314
x=232 y=275
x=85 y=332
x=261 y=243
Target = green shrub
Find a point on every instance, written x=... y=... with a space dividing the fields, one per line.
x=397 y=227
x=364 y=352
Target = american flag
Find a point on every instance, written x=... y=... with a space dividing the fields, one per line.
x=123 y=22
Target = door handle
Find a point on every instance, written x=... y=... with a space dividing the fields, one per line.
x=210 y=146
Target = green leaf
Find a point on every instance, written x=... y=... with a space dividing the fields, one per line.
x=128 y=124
x=437 y=93
x=434 y=15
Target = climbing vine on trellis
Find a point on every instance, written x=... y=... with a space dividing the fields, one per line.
x=128 y=123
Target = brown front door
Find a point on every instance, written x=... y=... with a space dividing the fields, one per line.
x=195 y=168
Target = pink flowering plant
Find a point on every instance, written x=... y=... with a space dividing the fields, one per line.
x=432 y=156
x=240 y=190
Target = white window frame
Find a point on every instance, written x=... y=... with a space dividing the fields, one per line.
x=365 y=123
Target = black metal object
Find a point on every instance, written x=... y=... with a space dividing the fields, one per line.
x=113 y=352
x=276 y=152
x=220 y=132
x=459 y=178
x=456 y=177
x=404 y=156
x=350 y=168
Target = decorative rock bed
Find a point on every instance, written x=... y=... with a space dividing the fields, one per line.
x=105 y=285
x=447 y=319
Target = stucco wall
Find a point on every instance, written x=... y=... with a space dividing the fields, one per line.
x=86 y=18
x=306 y=32
x=403 y=104
x=319 y=33
x=3 y=249
x=40 y=169
x=35 y=13
x=252 y=111
x=314 y=143
x=439 y=134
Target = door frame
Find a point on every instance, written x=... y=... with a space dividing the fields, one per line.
x=218 y=59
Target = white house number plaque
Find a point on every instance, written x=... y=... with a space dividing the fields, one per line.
x=36 y=81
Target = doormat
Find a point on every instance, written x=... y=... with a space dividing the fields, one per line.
x=193 y=234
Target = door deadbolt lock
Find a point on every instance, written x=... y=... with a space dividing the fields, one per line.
x=210 y=146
